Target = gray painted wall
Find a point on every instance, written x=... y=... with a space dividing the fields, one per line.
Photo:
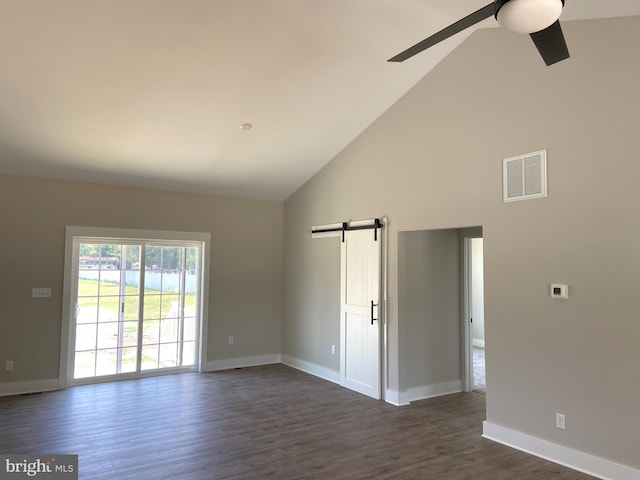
x=434 y=160
x=429 y=304
x=245 y=296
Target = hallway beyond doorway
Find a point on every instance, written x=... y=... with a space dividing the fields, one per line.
x=479 y=376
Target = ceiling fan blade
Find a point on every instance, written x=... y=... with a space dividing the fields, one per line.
x=551 y=44
x=460 y=25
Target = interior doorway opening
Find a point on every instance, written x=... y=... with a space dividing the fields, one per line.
x=435 y=300
x=362 y=303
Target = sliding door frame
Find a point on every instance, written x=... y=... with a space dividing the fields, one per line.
x=67 y=337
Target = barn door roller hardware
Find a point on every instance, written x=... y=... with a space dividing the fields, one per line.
x=346 y=227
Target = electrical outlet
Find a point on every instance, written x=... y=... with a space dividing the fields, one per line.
x=230 y=339
x=560 y=421
x=333 y=349
x=9 y=365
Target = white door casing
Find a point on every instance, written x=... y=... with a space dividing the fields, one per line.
x=360 y=322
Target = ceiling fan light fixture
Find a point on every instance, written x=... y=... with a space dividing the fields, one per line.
x=527 y=16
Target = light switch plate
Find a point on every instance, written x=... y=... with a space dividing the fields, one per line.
x=40 y=292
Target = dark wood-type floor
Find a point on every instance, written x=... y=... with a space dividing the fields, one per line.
x=269 y=422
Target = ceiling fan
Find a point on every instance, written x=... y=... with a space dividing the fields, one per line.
x=538 y=18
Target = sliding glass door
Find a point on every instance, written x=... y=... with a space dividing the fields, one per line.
x=136 y=306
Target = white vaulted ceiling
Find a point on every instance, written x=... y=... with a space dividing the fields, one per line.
x=152 y=93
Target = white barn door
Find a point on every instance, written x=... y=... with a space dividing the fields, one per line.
x=360 y=323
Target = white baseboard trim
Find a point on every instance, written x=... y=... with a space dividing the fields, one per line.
x=393 y=397
x=568 y=457
x=399 y=399
x=435 y=390
x=240 y=362
x=312 y=368
x=478 y=343
x=29 y=386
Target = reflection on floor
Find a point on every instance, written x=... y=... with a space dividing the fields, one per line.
x=479 y=379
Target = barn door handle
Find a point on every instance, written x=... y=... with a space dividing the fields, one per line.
x=373 y=305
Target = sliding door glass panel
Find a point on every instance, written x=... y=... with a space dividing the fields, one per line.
x=108 y=285
x=170 y=280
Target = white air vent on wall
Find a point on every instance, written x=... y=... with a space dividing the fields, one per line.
x=525 y=176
